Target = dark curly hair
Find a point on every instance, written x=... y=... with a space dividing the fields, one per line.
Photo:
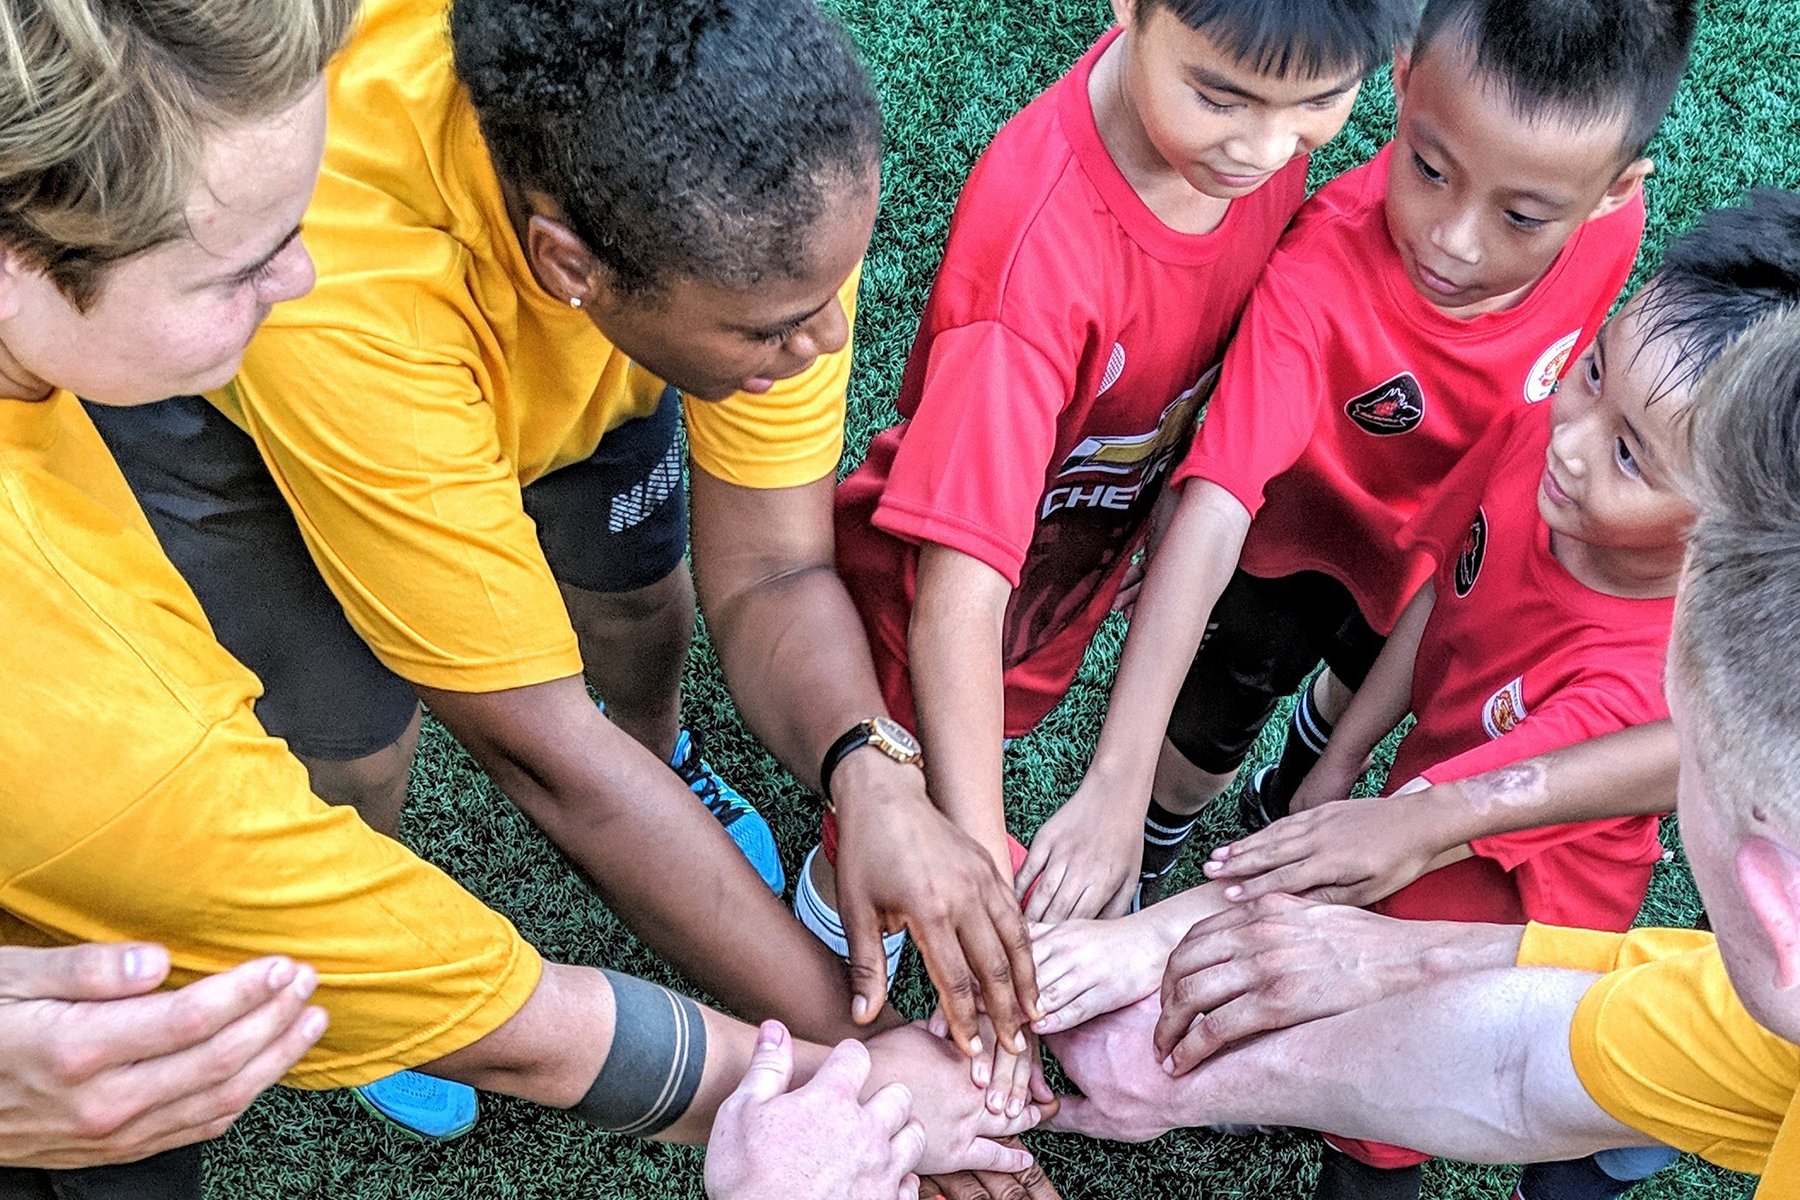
x=682 y=138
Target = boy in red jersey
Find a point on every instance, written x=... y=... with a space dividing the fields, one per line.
x=1100 y=256
x=1416 y=301
x=1556 y=546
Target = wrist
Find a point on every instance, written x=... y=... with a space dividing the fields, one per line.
x=1439 y=817
x=867 y=775
x=1450 y=949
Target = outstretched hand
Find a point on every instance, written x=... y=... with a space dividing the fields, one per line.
x=97 y=1067
x=1342 y=852
x=901 y=864
x=1085 y=858
x=961 y=1134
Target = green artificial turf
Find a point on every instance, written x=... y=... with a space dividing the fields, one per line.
x=950 y=72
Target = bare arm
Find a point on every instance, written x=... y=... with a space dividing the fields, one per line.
x=1191 y=567
x=627 y=822
x=1475 y=1068
x=555 y=1048
x=1359 y=852
x=797 y=660
x=954 y=645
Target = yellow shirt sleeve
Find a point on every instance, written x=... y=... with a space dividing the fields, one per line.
x=409 y=505
x=1666 y=1048
x=789 y=436
x=1592 y=950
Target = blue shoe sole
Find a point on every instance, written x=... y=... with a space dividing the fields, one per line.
x=401 y=1127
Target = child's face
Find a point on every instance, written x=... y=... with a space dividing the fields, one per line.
x=1481 y=200
x=1617 y=462
x=1224 y=126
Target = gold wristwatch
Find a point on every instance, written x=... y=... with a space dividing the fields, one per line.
x=880 y=733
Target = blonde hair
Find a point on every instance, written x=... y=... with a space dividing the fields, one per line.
x=105 y=105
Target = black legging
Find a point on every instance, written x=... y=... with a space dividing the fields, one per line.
x=171 y=1175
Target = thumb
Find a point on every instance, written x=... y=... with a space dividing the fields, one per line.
x=771 y=1067
x=985 y=1154
x=97 y=971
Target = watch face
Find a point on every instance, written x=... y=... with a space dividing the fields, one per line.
x=893 y=732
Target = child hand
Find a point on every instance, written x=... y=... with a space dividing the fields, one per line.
x=1344 y=852
x=1083 y=862
x=1087 y=968
x=1012 y=1081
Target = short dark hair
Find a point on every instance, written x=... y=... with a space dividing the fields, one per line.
x=1593 y=59
x=682 y=138
x=1300 y=37
x=1732 y=270
x=1734 y=652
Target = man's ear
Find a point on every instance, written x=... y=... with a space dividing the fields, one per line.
x=1624 y=186
x=1769 y=875
x=560 y=261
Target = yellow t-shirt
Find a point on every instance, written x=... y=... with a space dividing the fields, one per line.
x=1662 y=1043
x=142 y=799
x=402 y=405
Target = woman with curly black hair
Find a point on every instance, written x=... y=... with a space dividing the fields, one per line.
x=454 y=472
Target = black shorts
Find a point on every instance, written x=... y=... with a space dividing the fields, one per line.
x=171 y=1175
x=614 y=522
x=1264 y=638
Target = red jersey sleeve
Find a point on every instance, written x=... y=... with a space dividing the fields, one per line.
x=1573 y=715
x=1271 y=385
x=970 y=470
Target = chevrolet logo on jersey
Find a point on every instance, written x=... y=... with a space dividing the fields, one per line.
x=1133 y=461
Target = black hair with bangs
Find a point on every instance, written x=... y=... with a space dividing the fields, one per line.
x=1304 y=38
x=1591 y=59
x=1736 y=268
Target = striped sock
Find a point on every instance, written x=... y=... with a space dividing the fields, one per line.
x=1165 y=833
x=828 y=927
x=1308 y=732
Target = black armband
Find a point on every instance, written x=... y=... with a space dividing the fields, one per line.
x=653 y=1067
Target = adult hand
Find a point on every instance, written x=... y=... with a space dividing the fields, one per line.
x=96 y=1067
x=1029 y=1184
x=816 y=1142
x=960 y=1132
x=1343 y=852
x=1279 y=961
x=902 y=865
x=1085 y=859
x=1126 y=1094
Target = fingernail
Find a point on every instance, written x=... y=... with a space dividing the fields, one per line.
x=1018 y=1043
x=771 y=1036
x=859 y=1008
x=974 y=1047
x=1016 y=1107
x=996 y=1104
x=143 y=962
x=312 y=1025
x=1211 y=866
x=1168 y=1065
x=1040 y=1026
x=984 y=1075
x=306 y=981
x=281 y=973
x=1234 y=892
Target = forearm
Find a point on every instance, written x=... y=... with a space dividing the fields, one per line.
x=1627 y=773
x=627 y=823
x=1190 y=569
x=954 y=649
x=1476 y=1068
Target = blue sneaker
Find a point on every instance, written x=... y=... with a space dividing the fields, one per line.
x=740 y=819
x=421 y=1106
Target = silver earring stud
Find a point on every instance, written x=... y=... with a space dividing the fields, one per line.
x=574 y=301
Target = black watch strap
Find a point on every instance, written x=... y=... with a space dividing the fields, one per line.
x=852 y=740
x=883 y=733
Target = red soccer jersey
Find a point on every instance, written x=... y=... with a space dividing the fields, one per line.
x=1068 y=343
x=1347 y=396
x=1519 y=658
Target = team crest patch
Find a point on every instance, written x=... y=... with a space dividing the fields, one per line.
x=1468 y=563
x=1504 y=709
x=1541 y=383
x=1394 y=407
